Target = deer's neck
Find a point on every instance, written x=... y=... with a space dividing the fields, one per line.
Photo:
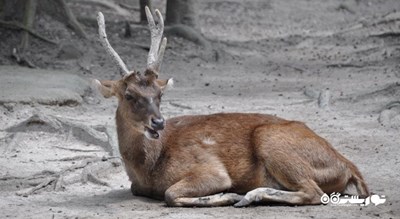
x=133 y=144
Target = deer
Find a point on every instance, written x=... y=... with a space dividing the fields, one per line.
x=218 y=159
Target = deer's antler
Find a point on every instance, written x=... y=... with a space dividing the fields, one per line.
x=157 y=47
x=104 y=41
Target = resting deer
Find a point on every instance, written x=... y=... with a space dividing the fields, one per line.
x=219 y=159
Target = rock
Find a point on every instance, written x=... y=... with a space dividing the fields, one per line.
x=324 y=99
x=311 y=92
x=29 y=86
x=390 y=117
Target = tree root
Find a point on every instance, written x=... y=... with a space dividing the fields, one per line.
x=17 y=26
x=129 y=7
x=111 y=5
x=101 y=136
x=30 y=191
x=91 y=170
x=188 y=33
x=71 y=19
x=21 y=59
x=377 y=99
x=29 y=17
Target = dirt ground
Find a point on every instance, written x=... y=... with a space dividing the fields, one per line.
x=268 y=56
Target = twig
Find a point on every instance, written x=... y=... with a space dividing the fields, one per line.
x=344 y=65
x=76 y=149
x=295 y=68
x=17 y=26
x=386 y=34
x=304 y=102
x=180 y=105
x=79 y=157
x=30 y=191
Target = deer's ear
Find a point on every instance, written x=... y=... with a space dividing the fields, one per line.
x=105 y=87
x=165 y=84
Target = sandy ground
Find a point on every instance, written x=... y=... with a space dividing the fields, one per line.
x=272 y=57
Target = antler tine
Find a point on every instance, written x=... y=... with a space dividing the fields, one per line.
x=104 y=41
x=157 y=47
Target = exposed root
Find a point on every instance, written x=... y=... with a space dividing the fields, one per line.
x=111 y=5
x=47 y=123
x=129 y=7
x=18 y=26
x=71 y=20
x=393 y=90
x=378 y=99
x=29 y=17
x=188 y=33
x=90 y=171
x=21 y=59
x=88 y=176
x=42 y=185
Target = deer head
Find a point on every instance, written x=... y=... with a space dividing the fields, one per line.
x=139 y=96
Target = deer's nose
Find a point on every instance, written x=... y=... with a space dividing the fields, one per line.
x=157 y=123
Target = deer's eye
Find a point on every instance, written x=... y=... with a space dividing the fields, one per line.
x=128 y=97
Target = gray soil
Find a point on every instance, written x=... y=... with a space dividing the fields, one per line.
x=334 y=65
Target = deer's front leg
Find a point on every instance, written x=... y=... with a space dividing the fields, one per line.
x=200 y=188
